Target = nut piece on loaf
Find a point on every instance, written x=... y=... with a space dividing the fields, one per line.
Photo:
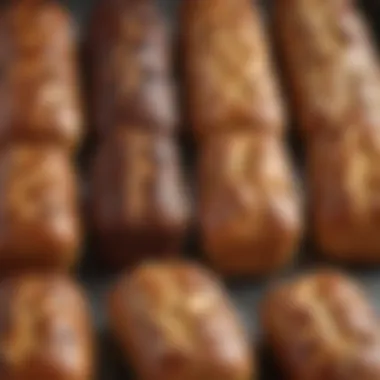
x=130 y=60
x=39 y=85
x=334 y=76
x=230 y=82
x=249 y=204
x=139 y=201
x=175 y=321
x=45 y=329
x=39 y=208
x=321 y=326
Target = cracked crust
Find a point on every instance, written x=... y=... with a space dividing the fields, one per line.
x=250 y=211
x=176 y=322
x=44 y=329
x=39 y=81
x=131 y=67
x=335 y=79
x=321 y=326
x=230 y=81
x=38 y=208
x=140 y=203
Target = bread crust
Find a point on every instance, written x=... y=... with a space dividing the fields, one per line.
x=39 y=85
x=250 y=213
x=45 y=329
x=230 y=80
x=129 y=48
x=140 y=205
x=334 y=79
x=39 y=209
x=321 y=326
x=175 y=322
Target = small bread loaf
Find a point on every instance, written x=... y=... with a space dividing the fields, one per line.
x=332 y=65
x=229 y=78
x=139 y=201
x=175 y=322
x=129 y=49
x=39 y=210
x=45 y=329
x=39 y=83
x=321 y=326
x=345 y=179
x=249 y=205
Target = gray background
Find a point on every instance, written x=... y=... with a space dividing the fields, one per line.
x=245 y=294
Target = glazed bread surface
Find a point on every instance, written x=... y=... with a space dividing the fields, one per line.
x=129 y=48
x=39 y=208
x=39 y=86
x=174 y=321
x=333 y=74
x=321 y=326
x=250 y=214
x=139 y=198
x=45 y=329
x=228 y=68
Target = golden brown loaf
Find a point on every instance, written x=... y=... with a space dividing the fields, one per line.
x=334 y=75
x=249 y=206
x=39 y=85
x=332 y=65
x=321 y=327
x=131 y=67
x=139 y=199
x=45 y=330
x=38 y=209
x=175 y=322
x=228 y=69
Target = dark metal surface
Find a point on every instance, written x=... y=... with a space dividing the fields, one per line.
x=246 y=295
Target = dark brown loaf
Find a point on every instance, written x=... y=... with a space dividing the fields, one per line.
x=131 y=67
x=335 y=79
x=45 y=330
x=38 y=209
x=175 y=321
x=230 y=81
x=345 y=186
x=139 y=200
x=250 y=212
x=322 y=327
x=39 y=84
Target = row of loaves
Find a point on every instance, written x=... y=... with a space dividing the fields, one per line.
x=173 y=320
x=250 y=207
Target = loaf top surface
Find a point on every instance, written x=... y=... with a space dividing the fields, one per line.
x=230 y=79
x=183 y=322
x=334 y=70
x=323 y=324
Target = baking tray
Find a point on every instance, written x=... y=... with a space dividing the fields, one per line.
x=246 y=294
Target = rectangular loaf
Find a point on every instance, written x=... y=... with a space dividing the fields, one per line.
x=321 y=326
x=130 y=59
x=39 y=85
x=249 y=203
x=39 y=209
x=230 y=82
x=45 y=329
x=174 y=321
x=139 y=201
